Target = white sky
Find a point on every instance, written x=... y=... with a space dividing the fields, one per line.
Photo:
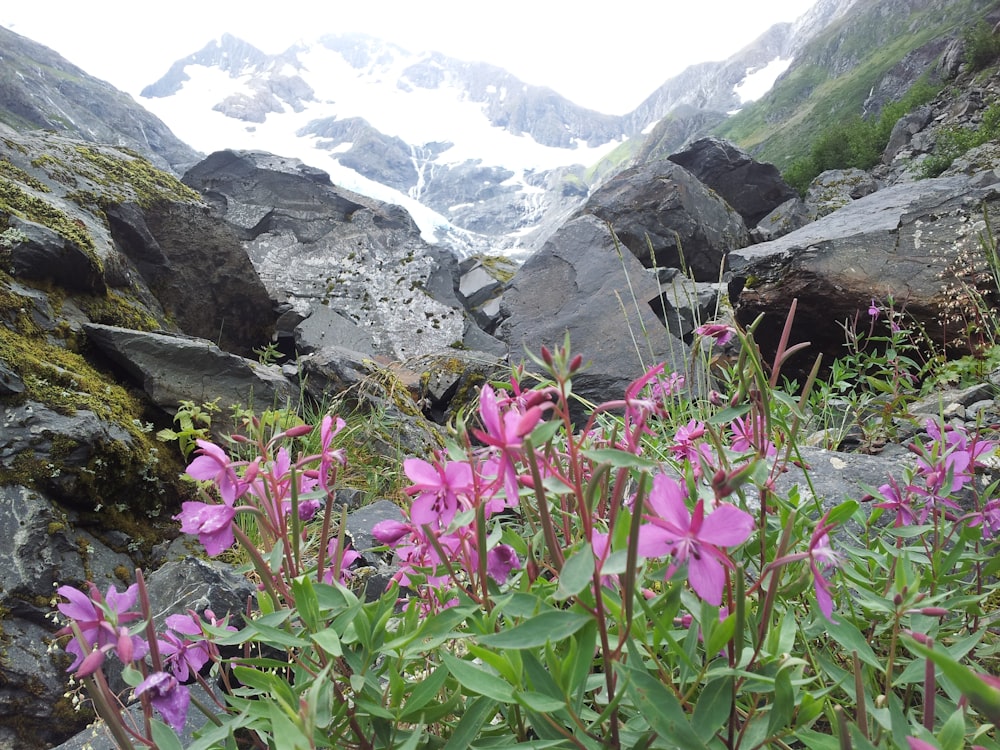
x=608 y=56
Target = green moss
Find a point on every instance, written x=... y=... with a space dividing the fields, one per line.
x=15 y=200
x=117 y=308
x=16 y=173
x=147 y=182
x=499 y=267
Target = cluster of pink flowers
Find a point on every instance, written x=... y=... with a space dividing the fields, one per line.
x=98 y=625
x=946 y=465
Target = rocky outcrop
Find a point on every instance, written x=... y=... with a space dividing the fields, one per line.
x=669 y=219
x=914 y=243
x=580 y=283
x=39 y=89
x=315 y=244
x=752 y=188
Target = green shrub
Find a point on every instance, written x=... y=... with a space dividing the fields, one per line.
x=982 y=46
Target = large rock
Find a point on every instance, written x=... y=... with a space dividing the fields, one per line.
x=913 y=242
x=171 y=369
x=315 y=244
x=752 y=188
x=579 y=283
x=667 y=218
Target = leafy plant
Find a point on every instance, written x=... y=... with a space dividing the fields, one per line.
x=194 y=422
x=982 y=45
x=640 y=583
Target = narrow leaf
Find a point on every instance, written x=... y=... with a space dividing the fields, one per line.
x=577 y=572
x=553 y=625
x=477 y=680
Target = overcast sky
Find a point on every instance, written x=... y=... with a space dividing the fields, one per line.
x=605 y=55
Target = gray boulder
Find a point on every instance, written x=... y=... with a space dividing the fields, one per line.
x=914 y=242
x=580 y=283
x=752 y=188
x=835 y=189
x=669 y=219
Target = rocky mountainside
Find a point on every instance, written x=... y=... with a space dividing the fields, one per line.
x=40 y=89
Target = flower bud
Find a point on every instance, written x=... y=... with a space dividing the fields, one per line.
x=575 y=363
x=546 y=356
x=299 y=430
x=933 y=611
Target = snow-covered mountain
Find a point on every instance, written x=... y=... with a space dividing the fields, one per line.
x=481 y=159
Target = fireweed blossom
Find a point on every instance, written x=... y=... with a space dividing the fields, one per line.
x=440 y=490
x=822 y=560
x=102 y=621
x=504 y=429
x=212 y=523
x=718 y=331
x=750 y=434
x=168 y=697
x=695 y=538
x=214 y=465
x=898 y=500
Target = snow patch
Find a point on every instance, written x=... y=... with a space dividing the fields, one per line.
x=758 y=82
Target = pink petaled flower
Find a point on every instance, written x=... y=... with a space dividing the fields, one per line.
x=822 y=560
x=347 y=559
x=212 y=523
x=184 y=648
x=500 y=561
x=718 y=331
x=505 y=430
x=213 y=465
x=694 y=538
x=599 y=543
x=390 y=532
x=899 y=501
x=918 y=744
x=689 y=445
x=168 y=697
x=750 y=434
x=327 y=431
x=102 y=622
x=988 y=518
x=873 y=310
x=440 y=490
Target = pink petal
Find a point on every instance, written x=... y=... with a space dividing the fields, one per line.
x=707 y=577
x=726 y=526
x=667 y=499
x=422 y=474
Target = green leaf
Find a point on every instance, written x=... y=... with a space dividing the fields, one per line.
x=712 y=709
x=848 y=636
x=952 y=734
x=661 y=709
x=721 y=635
x=843 y=512
x=274 y=636
x=544 y=432
x=477 y=712
x=425 y=691
x=983 y=697
x=540 y=702
x=618 y=458
x=553 y=625
x=577 y=572
x=817 y=741
x=783 y=706
x=329 y=641
x=164 y=737
x=478 y=681
x=306 y=602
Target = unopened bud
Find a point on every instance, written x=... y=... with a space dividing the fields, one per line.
x=921 y=637
x=933 y=611
x=897 y=599
x=547 y=356
x=575 y=363
x=299 y=430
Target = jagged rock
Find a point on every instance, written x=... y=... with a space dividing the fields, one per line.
x=10 y=382
x=377 y=566
x=789 y=216
x=325 y=327
x=171 y=369
x=752 y=188
x=683 y=304
x=198 y=584
x=198 y=271
x=449 y=382
x=836 y=188
x=907 y=241
x=903 y=131
x=316 y=244
x=44 y=255
x=43 y=548
x=666 y=217
x=578 y=283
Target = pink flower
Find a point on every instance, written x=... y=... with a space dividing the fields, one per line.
x=822 y=560
x=102 y=622
x=694 y=538
x=389 y=532
x=718 y=331
x=899 y=501
x=505 y=430
x=988 y=518
x=439 y=490
x=750 y=434
x=327 y=431
x=347 y=559
x=213 y=465
x=873 y=310
x=168 y=697
x=500 y=561
x=212 y=523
